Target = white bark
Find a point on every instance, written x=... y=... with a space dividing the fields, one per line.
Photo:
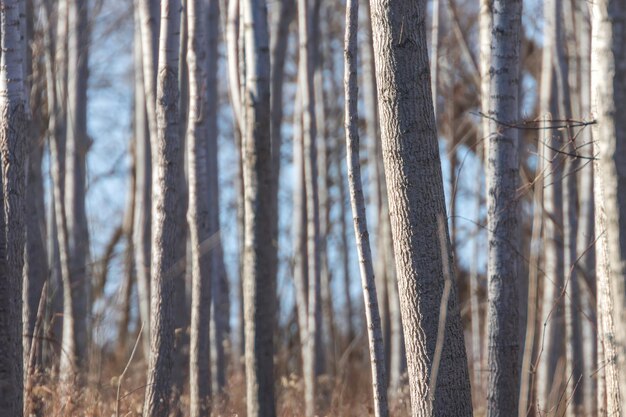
x=198 y=214
x=357 y=201
x=143 y=190
x=77 y=144
x=502 y=211
x=608 y=91
x=259 y=284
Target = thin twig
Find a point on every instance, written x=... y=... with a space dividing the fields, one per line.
x=121 y=377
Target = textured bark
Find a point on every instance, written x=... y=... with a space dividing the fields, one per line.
x=75 y=177
x=608 y=87
x=198 y=214
x=551 y=347
x=502 y=211
x=306 y=73
x=357 y=201
x=13 y=123
x=143 y=189
x=259 y=284
x=165 y=185
x=417 y=212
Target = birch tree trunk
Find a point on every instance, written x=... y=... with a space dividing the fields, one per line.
x=585 y=240
x=259 y=284
x=357 y=201
x=438 y=374
x=502 y=211
x=13 y=108
x=198 y=214
x=305 y=80
x=165 y=184
x=608 y=89
x=77 y=144
x=143 y=189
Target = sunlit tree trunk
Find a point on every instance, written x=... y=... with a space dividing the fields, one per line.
x=198 y=214
x=438 y=375
x=502 y=211
x=165 y=184
x=357 y=200
x=143 y=188
x=259 y=284
x=608 y=91
x=77 y=144
x=585 y=239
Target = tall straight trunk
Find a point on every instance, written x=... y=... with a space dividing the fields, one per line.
x=77 y=144
x=14 y=109
x=220 y=291
x=143 y=189
x=438 y=374
x=165 y=184
x=300 y=270
x=608 y=86
x=326 y=334
x=148 y=22
x=259 y=284
x=233 y=52
x=370 y=114
x=357 y=201
x=126 y=284
x=434 y=51
x=551 y=346
x=502 y=211
x=575 y=383
x=279 y=39
x=35 y=255
x=306 y=72
x=198 y=214
x=585 y=239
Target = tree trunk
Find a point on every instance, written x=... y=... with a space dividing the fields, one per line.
x=502 y=211
x=310 y=348
x=143 y=189
x=608 y=86
x=551 y=346
x=165 y=185
x=259 y=284
x=575 y=383
x=374 y=327
x=77 y=144
x=439 y=383
x=585 y=239
x=201 y=228
x=13 y=106
x=220 y=291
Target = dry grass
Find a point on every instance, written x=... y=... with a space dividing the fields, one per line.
x=346 y=394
